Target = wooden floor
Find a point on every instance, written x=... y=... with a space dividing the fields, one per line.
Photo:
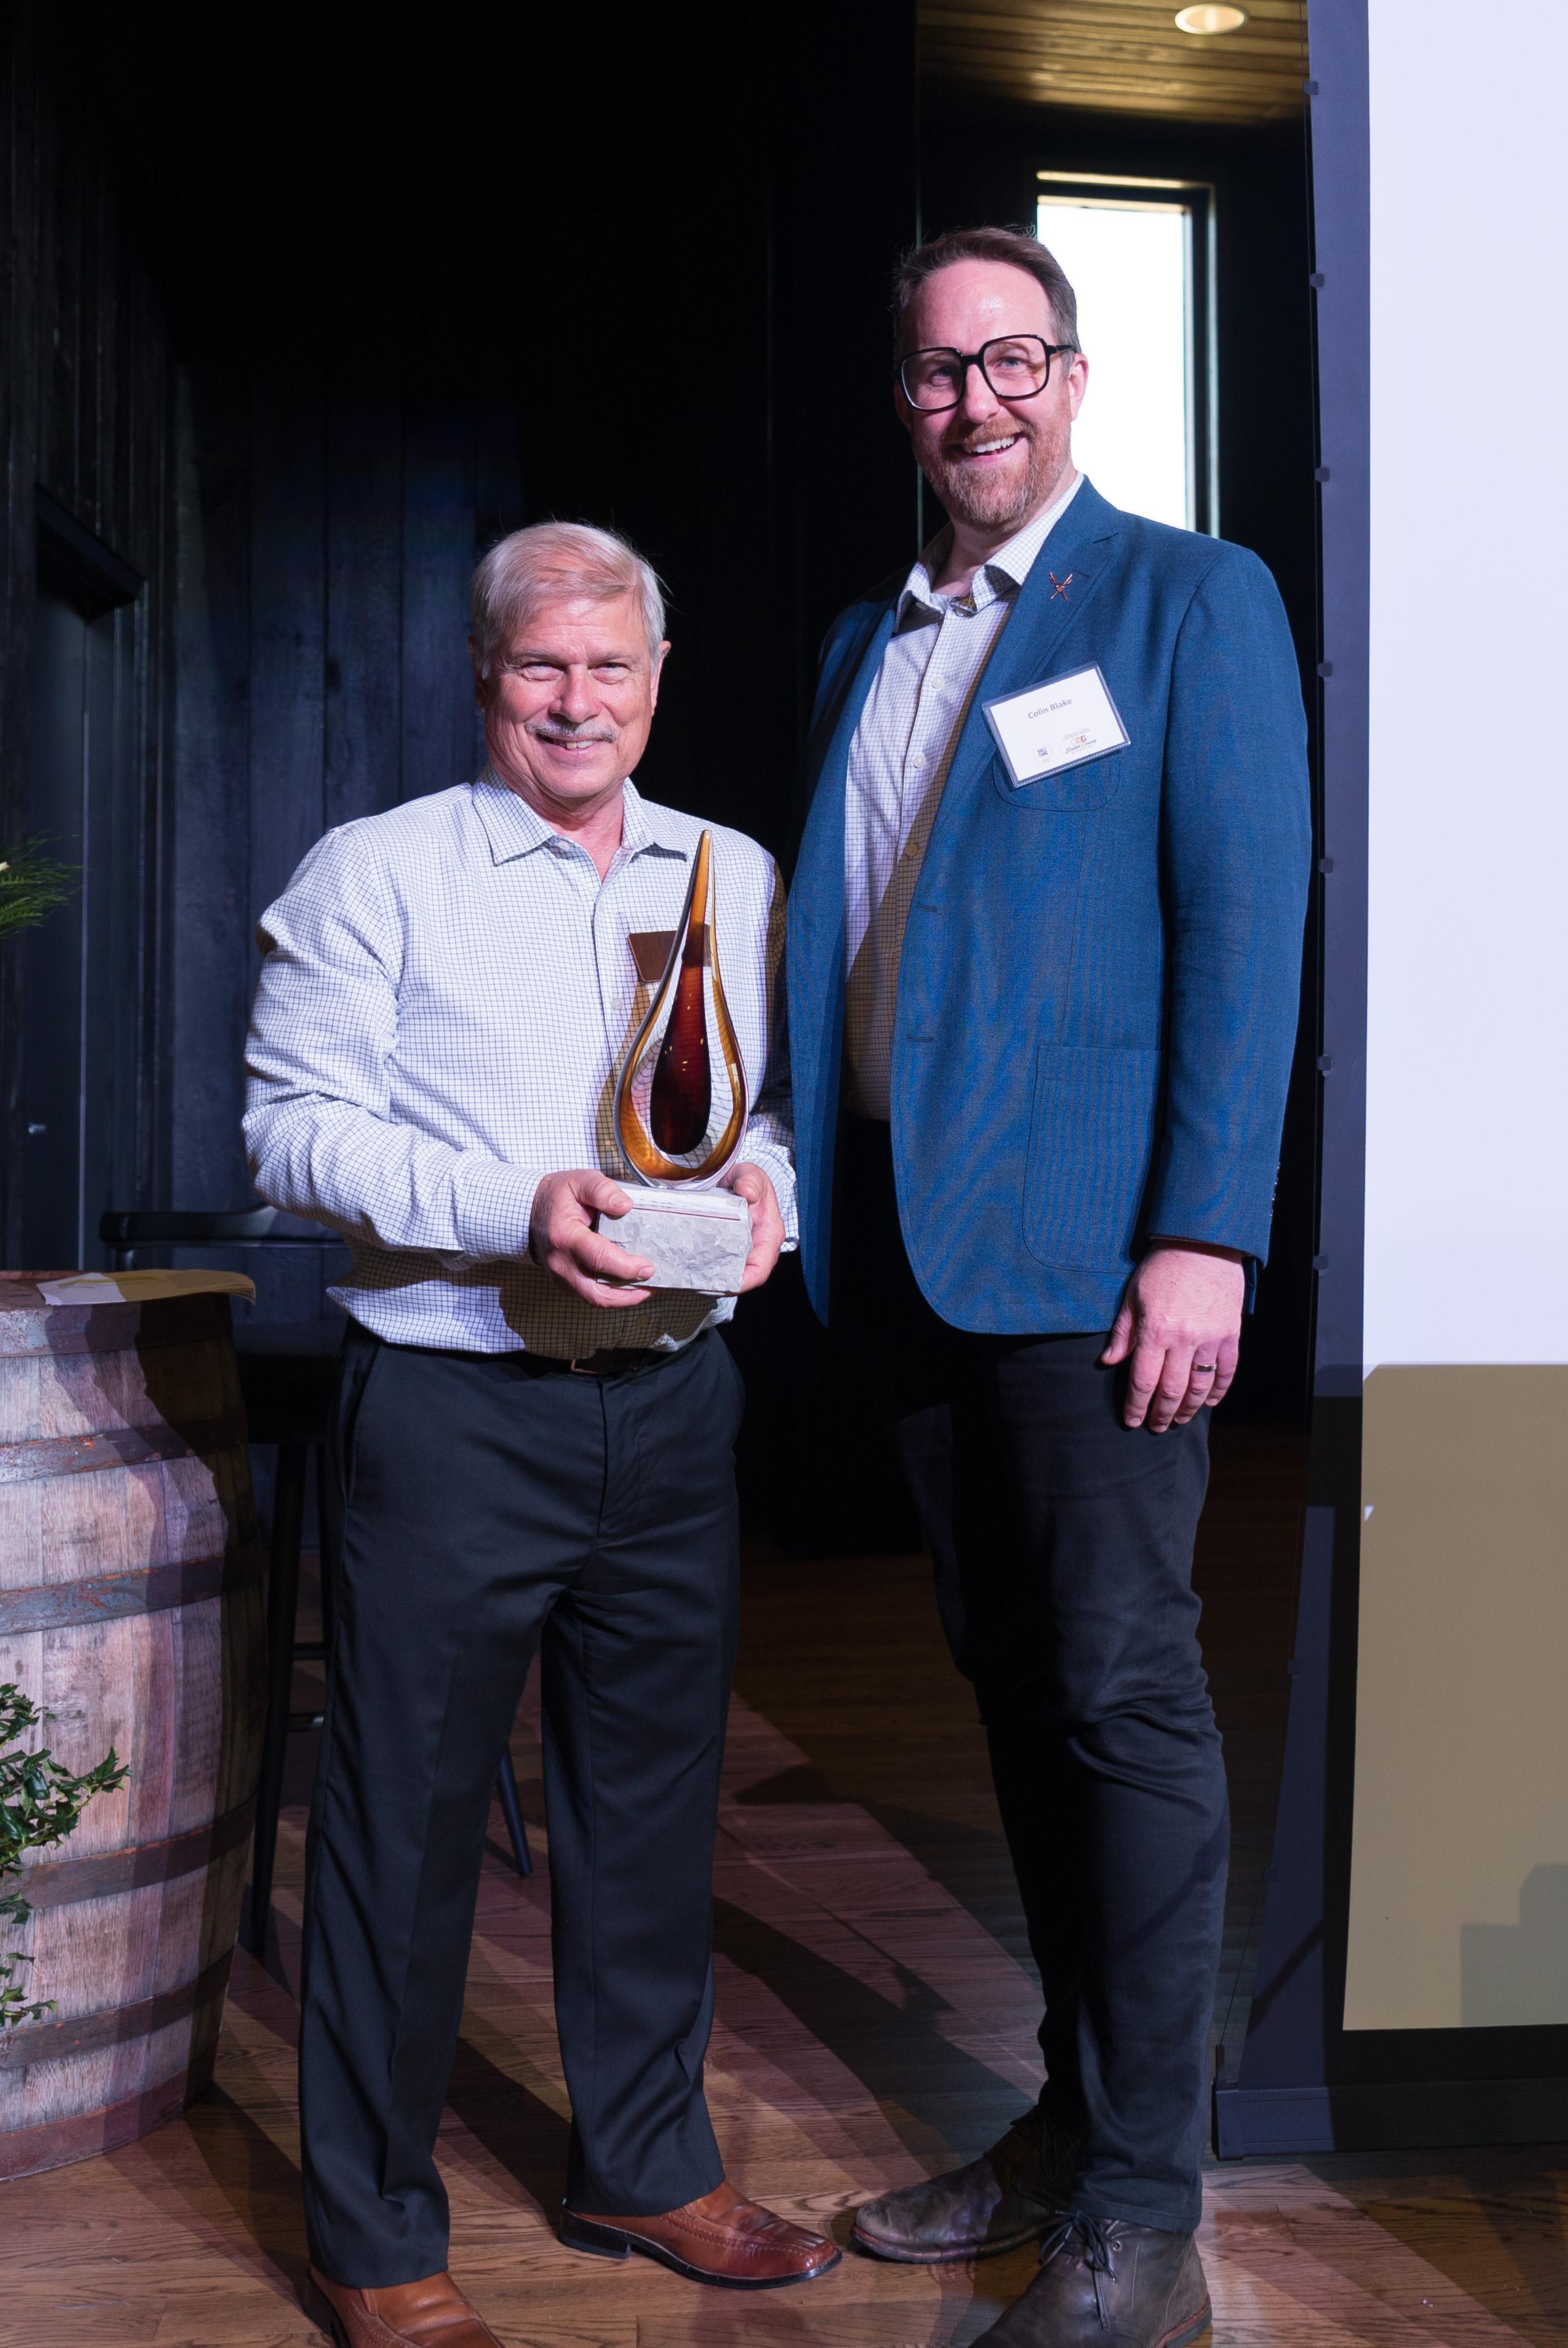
x=876 y=2021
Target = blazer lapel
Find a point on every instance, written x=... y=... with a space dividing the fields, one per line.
x=1036 y=635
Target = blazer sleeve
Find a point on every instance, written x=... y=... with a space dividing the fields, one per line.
x=1235 y=853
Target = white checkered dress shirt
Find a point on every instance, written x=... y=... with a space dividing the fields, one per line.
x=446 y=997
x=899 y=765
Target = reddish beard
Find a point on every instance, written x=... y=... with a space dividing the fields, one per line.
x=988 y=501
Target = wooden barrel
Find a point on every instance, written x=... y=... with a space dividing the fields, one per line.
x=132 y=1606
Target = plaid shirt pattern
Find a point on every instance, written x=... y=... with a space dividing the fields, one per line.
x=899 y=762
x=446 y=996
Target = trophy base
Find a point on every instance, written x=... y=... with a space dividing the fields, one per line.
x=696 y=1239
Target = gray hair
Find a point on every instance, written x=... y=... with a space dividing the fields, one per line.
x=554 y=558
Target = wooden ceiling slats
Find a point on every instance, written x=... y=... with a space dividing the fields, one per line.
x=1125 y=54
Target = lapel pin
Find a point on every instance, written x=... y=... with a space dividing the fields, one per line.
x=1061 y=586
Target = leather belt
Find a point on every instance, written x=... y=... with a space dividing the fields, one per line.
x=614 y=1362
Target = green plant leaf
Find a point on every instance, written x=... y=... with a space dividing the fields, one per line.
x=41 y=1802
x=32 y=883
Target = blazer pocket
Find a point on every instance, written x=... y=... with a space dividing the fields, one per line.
x=1088 y=786
x=1090 y=1145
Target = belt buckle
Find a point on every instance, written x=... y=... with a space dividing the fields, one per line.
x=580 y=1365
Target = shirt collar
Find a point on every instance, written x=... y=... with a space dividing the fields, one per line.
x=514 y=828
x=1003 y=573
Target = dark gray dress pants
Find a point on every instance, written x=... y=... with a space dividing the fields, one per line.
x=1064 y=1548
x=493 y=1507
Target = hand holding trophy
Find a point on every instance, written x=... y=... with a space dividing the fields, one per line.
x=675 y=1139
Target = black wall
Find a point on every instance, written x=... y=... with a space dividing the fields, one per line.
x=634 y=272
x=86 y=407
x=407 y=285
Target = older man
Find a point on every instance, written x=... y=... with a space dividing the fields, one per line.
x=1044 y=949
x=536 y=1447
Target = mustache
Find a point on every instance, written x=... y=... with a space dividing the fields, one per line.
x=543 y=730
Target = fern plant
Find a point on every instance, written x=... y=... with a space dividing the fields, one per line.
x=31 y=885
x=41 y=1802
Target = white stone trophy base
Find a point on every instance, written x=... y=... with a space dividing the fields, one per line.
x=698 y=1240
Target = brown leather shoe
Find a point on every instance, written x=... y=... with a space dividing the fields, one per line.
x=723 y=2238
x=1011 y=2195
x=429 y=2314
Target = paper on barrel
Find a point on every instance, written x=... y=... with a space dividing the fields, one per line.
x=142 y=1287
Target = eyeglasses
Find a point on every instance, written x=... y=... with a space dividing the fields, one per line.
x=1015 y=366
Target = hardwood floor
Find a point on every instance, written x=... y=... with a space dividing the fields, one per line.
x=876 y=2019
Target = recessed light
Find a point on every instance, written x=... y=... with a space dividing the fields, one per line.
x=1210 y=19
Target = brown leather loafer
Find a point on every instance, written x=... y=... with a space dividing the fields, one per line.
x=1011 y=2195
x=723 y=2238
x=433 y=2313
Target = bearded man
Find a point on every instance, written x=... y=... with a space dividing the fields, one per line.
x=1044 y=946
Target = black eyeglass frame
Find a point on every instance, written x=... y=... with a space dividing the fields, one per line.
x=968 y=359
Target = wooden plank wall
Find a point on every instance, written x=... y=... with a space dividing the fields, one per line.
x=85 y=388
x=425 y=330
x=331 y=508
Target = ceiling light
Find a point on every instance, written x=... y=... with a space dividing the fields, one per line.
x=1210 y=19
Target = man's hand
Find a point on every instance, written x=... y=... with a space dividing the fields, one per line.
x=1179 y=1329
x=562 y=1238
x=748 y=1182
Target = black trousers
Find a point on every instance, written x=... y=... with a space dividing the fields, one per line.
x=492 y=1507
x=1063 y=1547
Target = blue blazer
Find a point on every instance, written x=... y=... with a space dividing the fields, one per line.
x=1097 y=1001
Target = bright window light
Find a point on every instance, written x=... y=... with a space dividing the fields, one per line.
x=1131 y=266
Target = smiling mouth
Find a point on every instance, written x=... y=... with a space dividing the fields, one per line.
x=984 y=448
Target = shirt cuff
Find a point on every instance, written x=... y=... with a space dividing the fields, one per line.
x=493 y=1210
x=776 y=1164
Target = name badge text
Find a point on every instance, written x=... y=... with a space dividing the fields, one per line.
x=1061 y=723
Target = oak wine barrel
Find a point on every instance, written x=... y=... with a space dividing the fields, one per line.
x=132 y=1603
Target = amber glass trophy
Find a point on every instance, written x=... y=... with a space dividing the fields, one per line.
x=678 y=1127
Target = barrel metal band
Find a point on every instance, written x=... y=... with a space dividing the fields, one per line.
x=59 y=1883
x=117 y=1447
x=145 y=1590
x=56 y=2143
x=114 y=2026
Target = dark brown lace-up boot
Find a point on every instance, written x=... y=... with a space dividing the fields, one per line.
x=1011 y=2195
x=1106 y=2284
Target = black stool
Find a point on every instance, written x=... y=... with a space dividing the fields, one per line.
x=288 y=1378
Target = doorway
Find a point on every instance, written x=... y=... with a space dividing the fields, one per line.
x=81 y=1052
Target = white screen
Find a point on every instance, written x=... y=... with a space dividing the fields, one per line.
x=1459 y=1880
x=1467 y=1073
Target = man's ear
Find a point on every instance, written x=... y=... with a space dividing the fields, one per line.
x=655 y=671
x=481 y=682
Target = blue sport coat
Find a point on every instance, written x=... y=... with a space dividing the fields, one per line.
x=1097 y=1001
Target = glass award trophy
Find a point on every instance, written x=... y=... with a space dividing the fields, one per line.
x=680 y=1108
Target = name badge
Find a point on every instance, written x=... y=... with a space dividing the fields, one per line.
x=1061 y=723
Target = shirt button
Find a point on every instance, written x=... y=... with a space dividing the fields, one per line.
x=917 y=757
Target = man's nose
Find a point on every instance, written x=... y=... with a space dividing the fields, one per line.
x=979 y=402
x=576 y=700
